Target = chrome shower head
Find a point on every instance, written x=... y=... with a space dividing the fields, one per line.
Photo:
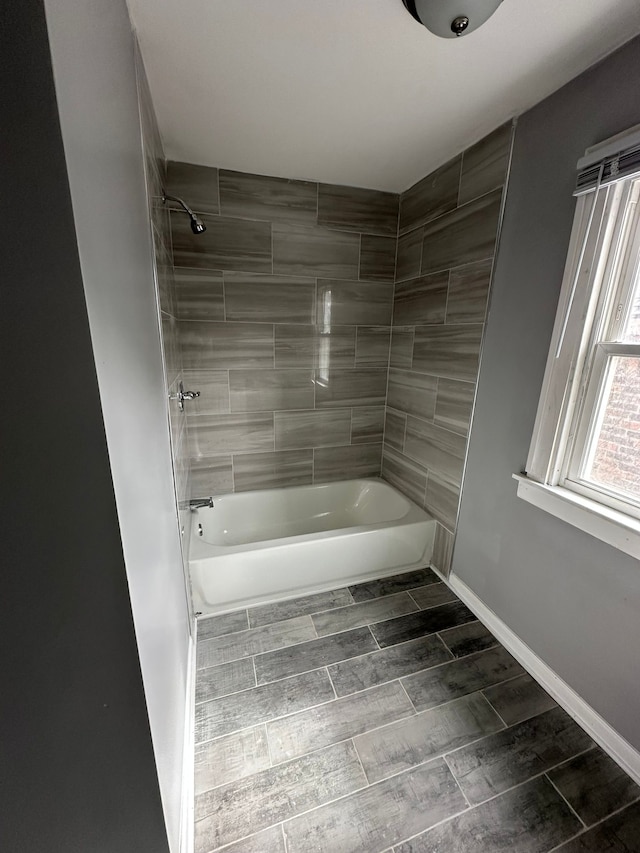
x=197 y=225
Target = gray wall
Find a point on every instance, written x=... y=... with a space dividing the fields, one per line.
x=284 y=309
x=77 y=768
x=574 y=600
x=448 y=227
x=94 y=70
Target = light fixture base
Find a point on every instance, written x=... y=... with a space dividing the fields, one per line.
x=451 y=18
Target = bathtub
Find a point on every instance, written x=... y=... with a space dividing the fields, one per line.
x=255 y=547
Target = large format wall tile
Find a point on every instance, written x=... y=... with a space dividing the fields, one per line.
x=469 y=292
x=211 y=475
x=223 y=346
x=213 y=434
x=269 y=298
x=431 y=197
x=435 y=448
x=197 y=186
x=394 y=426
x=367 y=424
x=213 y=386
x=312 y=428
x=342 y=303
x=268 y=390
x=227 y=244
x=404 y=474
x=314 y=250
x=448 y=351
x=409 y=255
x=442 y=498
x=362 y=386
x=484 y=165
x=377 y=258
x=421 y=300
x=199 y=294
x=466 y=234
x=372 y=346
x=412 y=393
x=454 y=402
x=346 y=463
x=401 y=354
x=356 y=209
x=272 y=470
x=264 y=197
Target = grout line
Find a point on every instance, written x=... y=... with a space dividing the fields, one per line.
x=562 y=796
x=375 y=640
x=517 y=784
x=447 y=649
x=496 y=712
x=364 y=772
x=335 y=695
x=415 y=710
x=593 y=825
x=284 y=838
x=466 y=799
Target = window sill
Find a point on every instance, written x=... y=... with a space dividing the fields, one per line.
x=614 y=528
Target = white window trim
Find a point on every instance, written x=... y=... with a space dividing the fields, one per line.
x=615 y=528
x=543 y=485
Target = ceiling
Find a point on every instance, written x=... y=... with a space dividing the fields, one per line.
x=355 y=91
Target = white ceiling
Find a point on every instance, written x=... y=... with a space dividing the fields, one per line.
x=355 y=91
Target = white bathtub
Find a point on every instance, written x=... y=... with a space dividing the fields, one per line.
x=254 y=547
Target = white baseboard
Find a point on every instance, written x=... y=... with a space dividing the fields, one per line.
x=187 y=805
x=596 y=726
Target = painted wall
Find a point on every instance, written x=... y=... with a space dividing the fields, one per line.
x=571 y=598
x=448 y=227
x=78 y=771
x=95 y=78
x=284 y=307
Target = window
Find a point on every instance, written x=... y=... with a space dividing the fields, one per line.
x=585 y=451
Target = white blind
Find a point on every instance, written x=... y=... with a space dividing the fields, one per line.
x=609 y=161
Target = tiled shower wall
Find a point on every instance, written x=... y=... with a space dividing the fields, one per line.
x=284 y=310
x=161 y=226
x=447 y=237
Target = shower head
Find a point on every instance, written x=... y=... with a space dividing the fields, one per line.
x=197 y=225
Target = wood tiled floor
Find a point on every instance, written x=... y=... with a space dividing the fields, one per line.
x=384 y=718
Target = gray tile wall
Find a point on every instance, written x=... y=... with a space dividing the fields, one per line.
x=447 y=233
x=171 y=294
x=283 y=309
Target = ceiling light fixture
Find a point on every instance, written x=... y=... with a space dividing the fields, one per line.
x=451 y=18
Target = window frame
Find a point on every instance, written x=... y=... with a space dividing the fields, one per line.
x=602 y=261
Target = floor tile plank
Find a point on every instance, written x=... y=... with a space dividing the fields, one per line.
x=432 y=595
x=277 y=794
x=459 y=677
x=337 y=720
x=467 y=639
x=366 y=613
x=519 y=699
x=227 y=678
x=254 y=641
x=218 y=626
x=395 y=583
x=229 y=758
x=412 y=741
x=617 y=834
x=382 y=814
x=594 y=786
x=266 y=614
x=388 y=664
x=251 y=707
x=514 y=755
x=421 y=623
x=532 y=818
x=269 y=841
x=313 y=654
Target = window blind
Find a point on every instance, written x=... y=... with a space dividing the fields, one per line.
x=609 y=161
